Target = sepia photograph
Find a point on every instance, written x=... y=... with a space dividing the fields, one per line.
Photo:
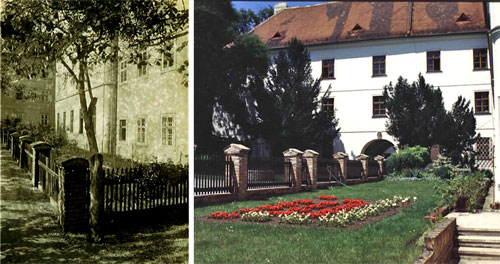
x=94 y=126
x=346 y=132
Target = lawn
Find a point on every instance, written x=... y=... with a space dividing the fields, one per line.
x=391 y=240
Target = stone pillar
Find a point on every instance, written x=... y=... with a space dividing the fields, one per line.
x=363 y=158
x=239 y=156
x=342 y=157
x=435 y=151
x=73 y=193
x=23 y=140
x=294 y=156
x=14 y=138
x=311 y=158
x=38 y=147
x=380 y=160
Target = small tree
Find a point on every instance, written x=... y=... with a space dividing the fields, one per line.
x=416 y=112
x=293 y=106
x=417 y=117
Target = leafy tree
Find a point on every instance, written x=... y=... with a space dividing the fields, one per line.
x=459 y=137
x=292 y=109
x=416 y=112
x=82 y=33
x=417 y=117
x=228 y=69
x=249 y=19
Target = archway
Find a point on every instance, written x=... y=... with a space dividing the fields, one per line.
x=379 y=147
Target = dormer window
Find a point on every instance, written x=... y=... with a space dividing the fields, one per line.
x=277 y=35
x=356 y=28
x=463 y=18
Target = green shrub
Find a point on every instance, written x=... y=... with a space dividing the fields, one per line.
x=411 y=173
x=442 y=167
x=462 y=186
x=408 y=158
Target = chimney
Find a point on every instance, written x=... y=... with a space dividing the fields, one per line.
x=279 y=7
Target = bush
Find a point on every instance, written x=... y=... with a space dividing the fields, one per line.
x=411 y=173
x=442 y=167
x=463 y=186
x=408 y=158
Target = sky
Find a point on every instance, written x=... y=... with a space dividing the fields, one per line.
x=258 y=5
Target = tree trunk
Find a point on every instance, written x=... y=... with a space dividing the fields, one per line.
x=96 y=198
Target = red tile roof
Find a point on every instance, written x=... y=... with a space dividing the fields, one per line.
x=352 y=21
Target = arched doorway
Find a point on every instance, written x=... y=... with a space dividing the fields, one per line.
x=379 y=147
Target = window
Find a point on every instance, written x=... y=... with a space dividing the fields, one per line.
x=19 y=95
x=327 y=106
x=45 y=96
x=167 y=130
x=378 y=65
x=480 y=61
x=58 y=125
x=80 y=124
x=378 y=106
x=169 y=58
x=141 y=130
x=123 y=71
x=44 y=119
x=123 y=130
x=328 y=69
x=64 y=121
x=433 y=61
x=483 y=151
x=142 y=66
x=481 y=102
x=71 y=118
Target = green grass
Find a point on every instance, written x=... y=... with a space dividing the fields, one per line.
x=391 y=240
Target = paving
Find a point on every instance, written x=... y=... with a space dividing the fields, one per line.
x=478 y=234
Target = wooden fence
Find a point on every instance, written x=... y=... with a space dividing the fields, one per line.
x=130 y=189
x=66 y=181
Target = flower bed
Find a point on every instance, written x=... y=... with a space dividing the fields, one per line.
x=324 y=211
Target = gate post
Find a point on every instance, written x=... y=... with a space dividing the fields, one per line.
x=13 y=143
x=294 y=156
x=363 y=158
x=38 y=147
x=22 y=154
x=239 y=156
x=311 y=158
x=72 y=197
x=342 y=157
x=380 y=160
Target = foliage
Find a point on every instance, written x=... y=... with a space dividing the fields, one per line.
x=81 y=34
x=294 y=115
x=408 y=158
x=155 y=172
x=417 y=117
x=249 y=19
x=462 y=186
x=460 y=136
x=229 y=68
x=413 y=174
x=442 y=167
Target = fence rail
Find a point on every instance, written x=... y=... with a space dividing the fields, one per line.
x=130 y=189
x=213 y=173
x=269 y=172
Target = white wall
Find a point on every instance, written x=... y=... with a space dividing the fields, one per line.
x=354 y=86
x=494 y=11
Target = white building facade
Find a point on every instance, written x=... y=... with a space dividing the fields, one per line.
x=359 y=47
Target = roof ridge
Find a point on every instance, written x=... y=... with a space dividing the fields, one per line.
x=292 y=7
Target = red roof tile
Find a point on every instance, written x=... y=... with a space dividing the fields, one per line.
x=351 y=21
